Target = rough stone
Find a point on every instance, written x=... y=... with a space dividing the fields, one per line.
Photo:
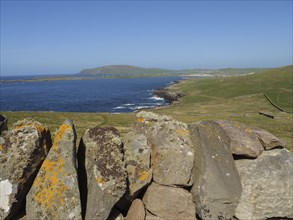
x=136 y=211
x=150 y=216
x=55 y=193
x=22 y=151
x=217 y=188
x=105 y=171
x=243 y=140
x=3 y=123
x=169 y=202
x=171 y=148
x=168 y=95
x=137 y=158
x=267 y=186
x=268 y=140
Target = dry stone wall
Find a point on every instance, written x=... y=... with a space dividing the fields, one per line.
x=162 y=169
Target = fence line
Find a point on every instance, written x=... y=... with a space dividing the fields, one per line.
x=275 y=105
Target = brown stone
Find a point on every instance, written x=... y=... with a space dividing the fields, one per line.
x=136 y=211
x=268 y=140
x=243 y=140
x=169 y=202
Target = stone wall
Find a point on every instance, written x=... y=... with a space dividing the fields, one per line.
x=162 y=169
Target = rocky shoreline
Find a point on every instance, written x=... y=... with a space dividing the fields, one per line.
x=168 y=95
x=162 y=169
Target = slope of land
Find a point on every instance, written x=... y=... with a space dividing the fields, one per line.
x=239 y=98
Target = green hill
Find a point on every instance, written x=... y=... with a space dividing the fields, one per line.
x=239 y=98
x=123 y=69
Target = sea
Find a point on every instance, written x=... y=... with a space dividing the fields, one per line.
x=98 y=95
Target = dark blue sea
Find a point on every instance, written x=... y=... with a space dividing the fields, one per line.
x=99 y=95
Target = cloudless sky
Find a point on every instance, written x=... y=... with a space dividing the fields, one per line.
x=60 y=37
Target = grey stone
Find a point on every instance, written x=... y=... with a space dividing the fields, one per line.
x=268 y=140
x=55 y=193
x=169 y=202
x=243 y=140
x=171 y=148
x=137 y=158
x=217 y=188
x=267 y=186
x=3 y=123
x=136 y=211
x=22 y=151
x=105 y=170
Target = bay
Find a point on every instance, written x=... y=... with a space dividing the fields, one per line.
x=99 y=95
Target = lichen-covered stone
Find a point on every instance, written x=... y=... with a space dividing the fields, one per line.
x=268 y=140
x=267 y=183
x=105 y=171
x=137 y=158
x=22 y=151
x=171 y=148
x=243 y=140
x=217 y=187
x=3 y=123
x=55 y=193
x=136 y=211
x=169 y=202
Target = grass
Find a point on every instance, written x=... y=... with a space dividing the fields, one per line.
x=82 y=121
x=237 y=98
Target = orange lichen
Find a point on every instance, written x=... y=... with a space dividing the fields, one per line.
x=1 y=147
x=140 y=119
x=38 y=126
x=100 y=180
x=49 y=189
x=183 y=132
x=62 y=130
x=143 y=175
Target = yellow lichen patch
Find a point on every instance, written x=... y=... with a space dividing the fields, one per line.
x=49 y=189
x=1 y=147
x=100 y=180
x=140 y=119
x=249 y=130
x=38 y=126
x=183 y=132
x=143 y=175
x=62 y=130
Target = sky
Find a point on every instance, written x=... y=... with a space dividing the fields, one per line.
x=63 y=37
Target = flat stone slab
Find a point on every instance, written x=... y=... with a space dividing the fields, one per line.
x=243 y=140
x=136 y=210
x=55 y=193
x=268 y=140
x=137 y=157
x=217 y=187
x=169 y=202
x=22 y=151
x=171 y=148
x=105 y=171
x=267 y=183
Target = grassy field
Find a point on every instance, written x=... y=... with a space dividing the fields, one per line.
x=237 y=98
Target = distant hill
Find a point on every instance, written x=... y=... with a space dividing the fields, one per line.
x=127 y=70
x=123 y=69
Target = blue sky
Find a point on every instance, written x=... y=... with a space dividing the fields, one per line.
x=60 y=37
